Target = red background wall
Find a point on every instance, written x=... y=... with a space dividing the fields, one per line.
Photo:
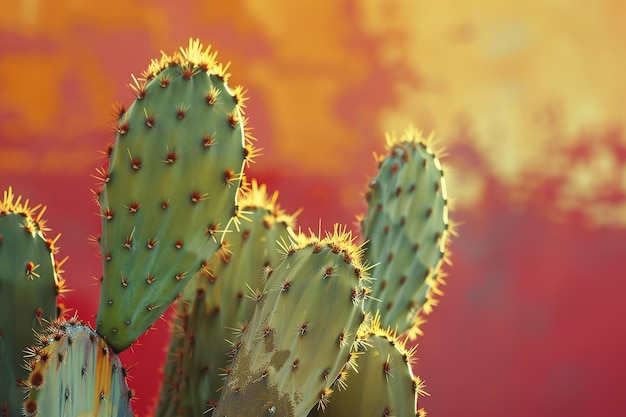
x=527 y=99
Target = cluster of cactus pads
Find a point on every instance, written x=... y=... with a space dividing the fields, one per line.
x=269 y=320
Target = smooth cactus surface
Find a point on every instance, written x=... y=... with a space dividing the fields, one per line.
x=169 y=191
x=218 y=304
x=29 y=284
x=406 y=228
x=73 y=372
x=301 y=333
x=384 y=385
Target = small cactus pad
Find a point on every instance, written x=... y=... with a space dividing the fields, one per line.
x=301 y=334
x=384 y=385
x=169 y=191
x=73 y=372
x=406 y=228
x=220 y=303
x=29 y=285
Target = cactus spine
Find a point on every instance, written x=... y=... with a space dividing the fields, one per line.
x=220 y=303
x=29 y=284
x=301 y=334
x=170 y=188
x=73 y=372
x=406 y=227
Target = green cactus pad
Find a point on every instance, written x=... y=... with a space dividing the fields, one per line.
x=406 y=228
x=384 y=384
x=170 y=188
x=301 y=333
x=221 y=301
x=29 y=285
x=73 y=372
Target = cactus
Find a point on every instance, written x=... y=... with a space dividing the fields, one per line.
x=384 y=384
x=73 y=372
x=220 y=302
x=269 y=321
x=30 y=282
x=406 y=227
x=301 y=334
x=170 y=188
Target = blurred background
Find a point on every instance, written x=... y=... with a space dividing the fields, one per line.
x=527 y=97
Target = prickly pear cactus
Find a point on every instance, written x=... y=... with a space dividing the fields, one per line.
x=29 y=284
x=406 y=228
x=73 y=372
x=384 y=384
x=169 y=191
x=301 y=334
x=220 y=304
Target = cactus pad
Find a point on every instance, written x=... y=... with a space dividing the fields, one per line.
x=301 y=333
x=406 y=228
x=169 y=191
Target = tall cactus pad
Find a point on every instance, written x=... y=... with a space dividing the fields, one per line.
x=301 y=333
x=170 y=188
x=221 y=301
x=74 y=373
x=29 y=285
x=384 y=385
x=406 y=227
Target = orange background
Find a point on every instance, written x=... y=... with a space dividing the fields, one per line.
x=528 y=99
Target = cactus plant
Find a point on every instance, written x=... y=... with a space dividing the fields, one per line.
x=73 y=372
x=268 y=321
x=406 y=228
x=170 y=188
x=216 y=305
x=30 y=282
x=301 y=334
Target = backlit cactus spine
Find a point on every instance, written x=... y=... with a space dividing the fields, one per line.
x=406 y=228
x=169 y=191
x=217 y=305
x=301 y=334
x=30 y=282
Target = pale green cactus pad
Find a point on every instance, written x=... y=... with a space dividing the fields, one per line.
x=406 y=228
x=169 y=191
x=301 y=334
